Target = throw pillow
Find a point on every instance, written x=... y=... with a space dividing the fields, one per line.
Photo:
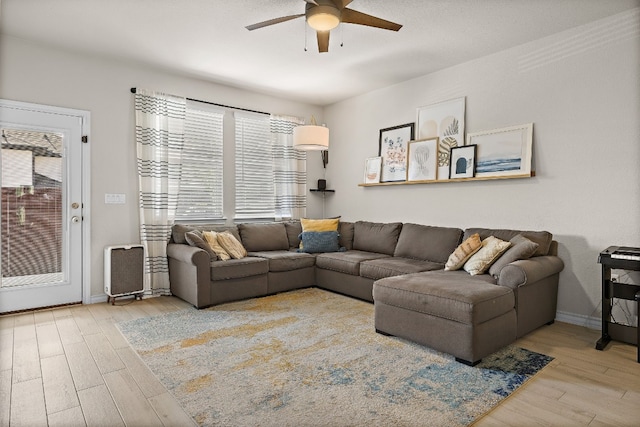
x=194 y=238
x=491 y=249
x=329 y=224
x=231 y=245
x=521 y=248
x=319 y=241
x=211 y=238
x=463 y=252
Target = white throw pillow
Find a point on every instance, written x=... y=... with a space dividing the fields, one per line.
x=491 y=250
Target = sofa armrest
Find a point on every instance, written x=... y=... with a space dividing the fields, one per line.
x=526 y=271
x=190 y=273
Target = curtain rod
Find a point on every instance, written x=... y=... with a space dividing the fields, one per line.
x=133 y=90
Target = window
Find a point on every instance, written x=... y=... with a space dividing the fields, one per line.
x=201 y=182
x=255 y=188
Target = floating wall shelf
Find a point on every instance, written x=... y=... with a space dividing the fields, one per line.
x=481 y=178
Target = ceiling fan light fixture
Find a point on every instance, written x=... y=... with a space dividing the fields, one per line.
x=323 y=18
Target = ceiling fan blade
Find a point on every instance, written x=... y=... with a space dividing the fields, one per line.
x=341 y=4
x=312 y=2
x=354 y=17
x=272 y=22
x=323 y=41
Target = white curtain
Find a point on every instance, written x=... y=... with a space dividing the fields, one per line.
x=159 y=140
x=290 y=169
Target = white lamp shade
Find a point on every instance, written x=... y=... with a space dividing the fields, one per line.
x=310 y=137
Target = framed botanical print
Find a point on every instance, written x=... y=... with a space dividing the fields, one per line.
x=394 y=143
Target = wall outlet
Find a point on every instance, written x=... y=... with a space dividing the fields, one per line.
x=615 y=277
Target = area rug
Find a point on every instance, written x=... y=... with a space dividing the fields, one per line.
x=313 y=358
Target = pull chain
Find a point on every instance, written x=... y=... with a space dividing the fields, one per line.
x=305 y=35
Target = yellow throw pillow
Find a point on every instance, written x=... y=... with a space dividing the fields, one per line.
x=211 y=237
x=463 y=252
x=330 y=224
x=491 y=250
x=231 y=245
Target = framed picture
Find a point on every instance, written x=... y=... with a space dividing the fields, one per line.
x=444 y=120
x=503 y=152
x=393 y=150
x=372 y=168
x=463 y=162
x=423 y=160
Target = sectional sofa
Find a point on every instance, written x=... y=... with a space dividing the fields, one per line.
x=399 y=267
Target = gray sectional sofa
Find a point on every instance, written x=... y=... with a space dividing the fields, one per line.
x=399 y=267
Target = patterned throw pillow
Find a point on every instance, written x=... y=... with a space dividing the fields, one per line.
x=492 y=248
x=194 y=238
x=231 y=245
x=319 y=241
x=211 y=238
x=463 y=252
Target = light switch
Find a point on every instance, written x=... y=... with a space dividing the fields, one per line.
x=114 y=199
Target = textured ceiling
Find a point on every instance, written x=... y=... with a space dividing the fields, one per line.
x=207 y=38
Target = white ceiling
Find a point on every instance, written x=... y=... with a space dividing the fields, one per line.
x=207 y=38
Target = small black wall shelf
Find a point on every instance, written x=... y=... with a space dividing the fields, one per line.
x=316 y=190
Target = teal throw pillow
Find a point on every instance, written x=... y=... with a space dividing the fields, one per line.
x=319 y=241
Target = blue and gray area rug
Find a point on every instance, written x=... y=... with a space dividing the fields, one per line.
x=312 y=358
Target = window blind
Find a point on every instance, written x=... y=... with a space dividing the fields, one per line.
x=201 y=184
x=255 y=189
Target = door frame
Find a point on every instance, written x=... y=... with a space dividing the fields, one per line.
x=85 y=118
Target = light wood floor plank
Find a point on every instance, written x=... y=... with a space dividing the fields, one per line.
x=61 y=312
x=49 y=343
x=59 y=389
x=27 y=404
x=148 y=383
x=98 y=407
x=131 y=402
x=85 y=321
x=84 y=370
x=72 y=417
x=43 y=317
x=6 y=350
x=5 y=397
x=68 y=330
x=26 y=360
x=105 y=356
x=170 y=413
x=112 y=333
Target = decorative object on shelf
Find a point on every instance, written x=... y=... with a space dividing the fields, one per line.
x=444 y=120
x=372 y=169
x=422 y=162
x=322 y=184
x=393 y=150
x=503 y=152
x=463 y=162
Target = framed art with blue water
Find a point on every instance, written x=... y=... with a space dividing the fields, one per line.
x=503 y=152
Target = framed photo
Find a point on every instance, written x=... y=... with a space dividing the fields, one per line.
x=372 y=168
x=444 y=120
x=503 y=152
x=393 y=150
x=422 y=162
x=463 y=162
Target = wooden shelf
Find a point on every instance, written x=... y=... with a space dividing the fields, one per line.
x=481 y=178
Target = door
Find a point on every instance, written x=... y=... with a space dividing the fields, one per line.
x=41 y=207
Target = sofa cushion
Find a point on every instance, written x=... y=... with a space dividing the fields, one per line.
x=327 y=224
x=542 y=238
x=319 y=241
x=427 y=243
x=395 y=266
x=294 y=228
x=376 y=237
x=490 y=251
x=452 y=295
x=345 y=229
x=286 y=260
x=194 y=238
x=463 y=252
x=178 y=231
x=270 y=236
x=521 y=248
x=239 y=268
x=231 y=245
x=345 y=262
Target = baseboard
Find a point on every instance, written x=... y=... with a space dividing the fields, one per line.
x=579 y=319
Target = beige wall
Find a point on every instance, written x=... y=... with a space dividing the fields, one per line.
x=581 y=90
x=39 y=74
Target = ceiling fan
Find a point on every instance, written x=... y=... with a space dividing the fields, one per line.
x=325 y=15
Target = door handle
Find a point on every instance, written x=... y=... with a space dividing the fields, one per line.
x=76 y=219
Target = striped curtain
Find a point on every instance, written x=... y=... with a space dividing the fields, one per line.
x=290 y=169
x=159 y=141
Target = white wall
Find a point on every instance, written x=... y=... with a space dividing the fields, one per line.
x=40 y=74
x=580 y=88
